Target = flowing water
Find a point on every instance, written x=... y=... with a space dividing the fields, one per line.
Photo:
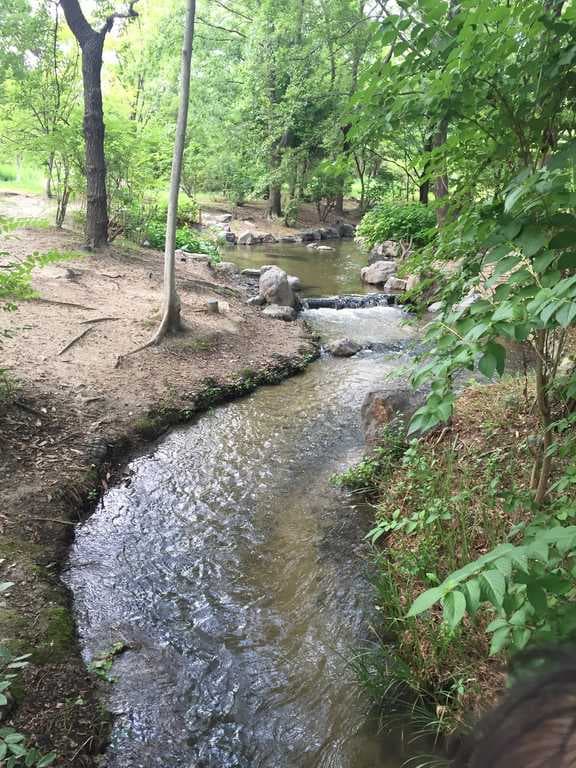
x=234 y=572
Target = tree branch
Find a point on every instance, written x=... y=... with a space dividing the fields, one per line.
x=129 y=14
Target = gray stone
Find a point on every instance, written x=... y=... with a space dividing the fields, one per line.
x=435 y=307
x=269 y=238
x=468 y=300
x=224 y=218
x=344 y=347
x=389 y=249
x=346 y=230
x=277 y=312
x=310 y=235
x=324 y=248
x=383 y=407
x=395 y=284
x=294 y=283
x=331 y=233
x=249 y=238
x=197 y=258
x=287 y=239
x=230 y=237
x=275 y=288
x=314 y=245
x=227 y=268
x=256 y=301
x=378 y=273
x=251 y=273
x=412 y=282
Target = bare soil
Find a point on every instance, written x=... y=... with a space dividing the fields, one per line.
x=79 y=409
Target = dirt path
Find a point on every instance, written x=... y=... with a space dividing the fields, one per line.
x=77 y=413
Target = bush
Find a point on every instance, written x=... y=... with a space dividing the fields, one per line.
x=393 y=221
x=186 y=238
x=6 y=173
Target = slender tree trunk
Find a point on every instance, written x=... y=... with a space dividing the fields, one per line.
x=96 y=198
x=170 y=322
x=275 y=188
x=424 y=192
x=441 y=182
x=49 y=167
x=339 y=204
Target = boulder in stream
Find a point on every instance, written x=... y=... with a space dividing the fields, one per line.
x=276 y=289
x=294 y=283
x=344 y=347
x=395 y=284
x=346 y=230
x=276 y=312
x=249 y=238
x=227 y=268
x=384 y=407
x=378 y=273
x=389 y=249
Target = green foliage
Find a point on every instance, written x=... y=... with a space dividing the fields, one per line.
x=394 y=221
x=186 y=238
x=367 y=476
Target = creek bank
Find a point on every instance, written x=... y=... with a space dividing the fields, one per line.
x=437 y=502
x=76 y=416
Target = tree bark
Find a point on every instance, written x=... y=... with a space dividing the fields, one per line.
x=171 y=322
x=339 y=204
x=441 y=182
x=91 y=43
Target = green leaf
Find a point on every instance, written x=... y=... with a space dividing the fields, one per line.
x=46 y=760
x=473 y=595
x=454 y=608
x=499 y=639
x=494 y=586
x=537 y=598
x=487 y=365
x=542 y=262
x=425 y=601
x=563 y=240
x=532 y=239
x=566 y=314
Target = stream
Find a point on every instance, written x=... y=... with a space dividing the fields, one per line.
x=234 y=572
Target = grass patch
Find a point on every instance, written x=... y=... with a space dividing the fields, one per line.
x=449 y=499
x=27 y=178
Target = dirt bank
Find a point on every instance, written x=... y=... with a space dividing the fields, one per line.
x=78 y=413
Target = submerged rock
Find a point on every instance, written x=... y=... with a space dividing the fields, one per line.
x=310 y=235
x=276 y=289
x=344 y=347
x=277 y=312
x=324 y=248
x=378 y=273
x=269 y=238
x=346 y=230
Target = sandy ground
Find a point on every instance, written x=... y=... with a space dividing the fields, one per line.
x=77 y=413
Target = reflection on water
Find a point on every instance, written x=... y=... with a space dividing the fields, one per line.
x=233 y=569
x=322 y=273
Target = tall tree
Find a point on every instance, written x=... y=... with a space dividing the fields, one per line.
x=170 y=322
x=91 y=43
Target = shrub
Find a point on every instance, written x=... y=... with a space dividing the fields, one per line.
x=6 y=173
x=186 y=238
x=393 y=221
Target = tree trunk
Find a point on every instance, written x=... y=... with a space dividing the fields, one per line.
x=49 y=167
x=441 y=182
x=424 y=192
x=339 y=204
x=275 y=200
x=170 y=322
x=96 y=198
x=91 y=44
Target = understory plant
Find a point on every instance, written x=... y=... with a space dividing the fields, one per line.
x=390 y=220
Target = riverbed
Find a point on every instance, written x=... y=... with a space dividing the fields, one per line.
x=233 y=571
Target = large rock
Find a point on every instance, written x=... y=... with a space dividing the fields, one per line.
x=251 y=273
x=384 y=407
x=277 y=312
x=412 y=282
x=287 y=239
x=378 y=273
x=324 y=248
x=227 y=268
x=344 y=347
x=269 y=238
x=275 y=288
x=230 y=238
x=249 y=238
x=310 y=235
x=346 y=230
x=395 y=284
x=196 y=258
x=294 y=283
x=389 y=249
x=256 y=301
x=330 y=233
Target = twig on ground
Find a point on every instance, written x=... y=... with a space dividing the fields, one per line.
x=98 y=320
x=74 y=340
x=60 y=303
